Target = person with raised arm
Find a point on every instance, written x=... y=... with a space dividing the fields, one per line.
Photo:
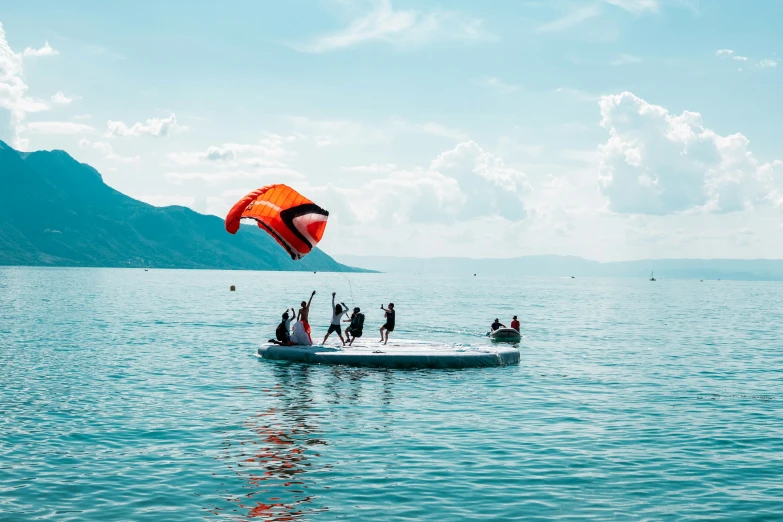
x=388 y=327
x=301 y=334
x=338 y=311
x=283 y=331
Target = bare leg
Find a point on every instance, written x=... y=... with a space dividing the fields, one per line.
x=325 y=338
x=382 y=328
x=387 y=337
x=341 y=337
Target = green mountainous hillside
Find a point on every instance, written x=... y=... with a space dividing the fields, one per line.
x=56 y=211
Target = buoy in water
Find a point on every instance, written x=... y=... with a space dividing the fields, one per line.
x=233 y=288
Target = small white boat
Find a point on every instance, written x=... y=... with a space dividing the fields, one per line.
x=508 y=335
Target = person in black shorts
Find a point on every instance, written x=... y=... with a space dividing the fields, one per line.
x=389 y=326
x=354 y=329
x=338 y=311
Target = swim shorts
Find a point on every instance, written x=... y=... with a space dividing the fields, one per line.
x=334 y=328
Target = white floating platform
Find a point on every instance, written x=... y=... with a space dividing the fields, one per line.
x=413 y=355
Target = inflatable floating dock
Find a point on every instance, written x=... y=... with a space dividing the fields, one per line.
x=410 y=356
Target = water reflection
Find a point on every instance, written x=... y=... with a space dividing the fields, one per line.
x=277 y=452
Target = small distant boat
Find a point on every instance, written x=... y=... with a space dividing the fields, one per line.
x=652 y=276
x=508 y=335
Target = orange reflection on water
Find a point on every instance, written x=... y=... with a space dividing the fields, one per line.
x=273 y=459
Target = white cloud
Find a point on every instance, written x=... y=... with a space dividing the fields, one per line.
x=226 y=175
x=266 y=153
x=13 y=91
x=328 y=133
x=62 y=99
x=58 y=127
x=155 y=127
x=625 y=59
x=578 y=95
x=635 y=6
x=760 y=64
x=660 y=163
x=46 y=50
x=500 y=87
x=373 y=168
x=400 y=28
x=107 y=151
x=461 y=184
x=571 y=19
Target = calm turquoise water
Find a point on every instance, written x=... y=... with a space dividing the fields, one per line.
x=132 y=395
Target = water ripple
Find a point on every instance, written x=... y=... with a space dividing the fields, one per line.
x=131 y=395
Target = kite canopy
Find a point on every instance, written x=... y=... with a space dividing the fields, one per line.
x=294 y=221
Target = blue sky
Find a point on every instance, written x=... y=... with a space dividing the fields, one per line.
x=610 y=129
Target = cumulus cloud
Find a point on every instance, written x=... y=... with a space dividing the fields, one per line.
x=62 y=99
x=400 y=28
x=762 y=64
x=46 y=50
x=461 y=184
x=13 y=90
x=155 y=127
x=660 y=163
x=58 y=127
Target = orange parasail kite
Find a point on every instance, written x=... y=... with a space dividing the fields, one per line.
x=294 y=221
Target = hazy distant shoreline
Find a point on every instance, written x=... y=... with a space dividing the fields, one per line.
x=566 y=266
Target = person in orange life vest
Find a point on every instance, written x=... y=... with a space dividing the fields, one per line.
x=515 y=323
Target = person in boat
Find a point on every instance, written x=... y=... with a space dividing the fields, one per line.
x=302 y=326
x=515 y=323
x=338 y=311
x=283 y=331
x=388 y=327
x=354 y=329
x=497 y=324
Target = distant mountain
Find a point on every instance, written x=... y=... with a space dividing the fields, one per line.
x=565 y=266
x=56 y=211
